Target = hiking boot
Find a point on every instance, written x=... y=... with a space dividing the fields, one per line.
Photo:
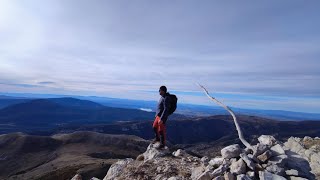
x=155 y=140
x=161 y=146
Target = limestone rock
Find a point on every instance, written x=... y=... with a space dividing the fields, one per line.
x=292 y=172
x=153 y=152
x=264 y=175
x=238 y=167
x=231 y=151
x=116 y=168
x=267 y=140
x=276 y=170
x=77 y=177
x=248 y=161
x=229 y=176
x=243 y=177
x=265 y=156
x=216 y=162
x=197 y=171
x=277 y=150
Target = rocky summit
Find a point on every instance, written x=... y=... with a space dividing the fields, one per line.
x=296 y=159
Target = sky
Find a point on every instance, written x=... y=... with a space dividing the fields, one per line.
x=248 y=54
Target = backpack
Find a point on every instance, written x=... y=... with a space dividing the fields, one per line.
x=173 y=101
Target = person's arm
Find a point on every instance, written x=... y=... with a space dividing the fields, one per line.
x=167 y=106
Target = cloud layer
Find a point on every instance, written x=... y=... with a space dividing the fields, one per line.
x=125 y=48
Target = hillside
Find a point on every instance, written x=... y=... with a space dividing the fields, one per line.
x=61 y=156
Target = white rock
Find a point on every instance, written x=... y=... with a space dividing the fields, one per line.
x=276 y=170
x=77 y=177
x=205 y=160
x=205 y=176
x=173 y=178
x=278 y=160
x=216 y=162
x=238 y=167
x=259 y=149
x=179 y=153
x=264 y=156
x=94 y=178
x=297 y=178
x=248 y=161
x=292 y=172
x=231 y=151
x=251 y=174
x=196 y=172
x=229 y=176
x=267 y=140
x=264 y=175
x=116 y=168
x=219 y=171
x=243 y=177
x=218 y=178
x=152 y=152
x=277 y=150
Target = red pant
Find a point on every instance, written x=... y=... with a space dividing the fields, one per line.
x=161 y=128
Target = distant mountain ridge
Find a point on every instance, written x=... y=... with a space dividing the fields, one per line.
x=185 y=109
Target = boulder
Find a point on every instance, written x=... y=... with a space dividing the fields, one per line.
x=264 y=175
x=77 y=177
x=205 y=176
x=265 y=156
x=277 y=150
x=267 y=140
x=216 y=162
x=220 y=170
x=259 y=149
x=196 y=172
x=238 y=167
x=243 y=177
x=116 y=168
x=276 y=170
x=229 y=176
x=231 y=151
x=153 y=152
x=292 y=172
x=248 y=161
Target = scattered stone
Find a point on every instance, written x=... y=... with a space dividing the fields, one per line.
x=116 y=168
x=229 y=176
x=196 y=172
x=216 y=162
x=267 y=140
x=179 y=153
x=205 y=160
x=292 y=172
x=296 y=178
x=277 y=150
x=238 y=167
x=77 y=177
x=231 y=151
x=219 y=171
x=265 y=156
x=276 y=170
x=153 y=152
x=264 y=175
x=243 y=177
x=259 y=149
x=205 y=176
x=251 y=174
x=248 y=161
x=218 y=178
x=173 y=178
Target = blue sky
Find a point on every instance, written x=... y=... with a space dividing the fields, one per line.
x=250 y=54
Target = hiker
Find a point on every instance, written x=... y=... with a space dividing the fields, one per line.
x=166 y=106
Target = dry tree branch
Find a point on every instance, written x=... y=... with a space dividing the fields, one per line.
x=232 y=114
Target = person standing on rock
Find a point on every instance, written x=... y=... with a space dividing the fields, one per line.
x=166 y=106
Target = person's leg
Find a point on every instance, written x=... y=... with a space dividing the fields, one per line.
x=162 y=133
x=156 y=129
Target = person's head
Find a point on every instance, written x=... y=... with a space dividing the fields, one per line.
x=162 y=90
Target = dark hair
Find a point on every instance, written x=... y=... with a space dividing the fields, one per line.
x=163 y=88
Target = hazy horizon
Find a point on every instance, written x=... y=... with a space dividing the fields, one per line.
x=249 y=54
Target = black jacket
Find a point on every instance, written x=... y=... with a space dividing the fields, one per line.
x=163 y=108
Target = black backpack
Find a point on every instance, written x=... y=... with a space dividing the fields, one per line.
x=173 y=101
